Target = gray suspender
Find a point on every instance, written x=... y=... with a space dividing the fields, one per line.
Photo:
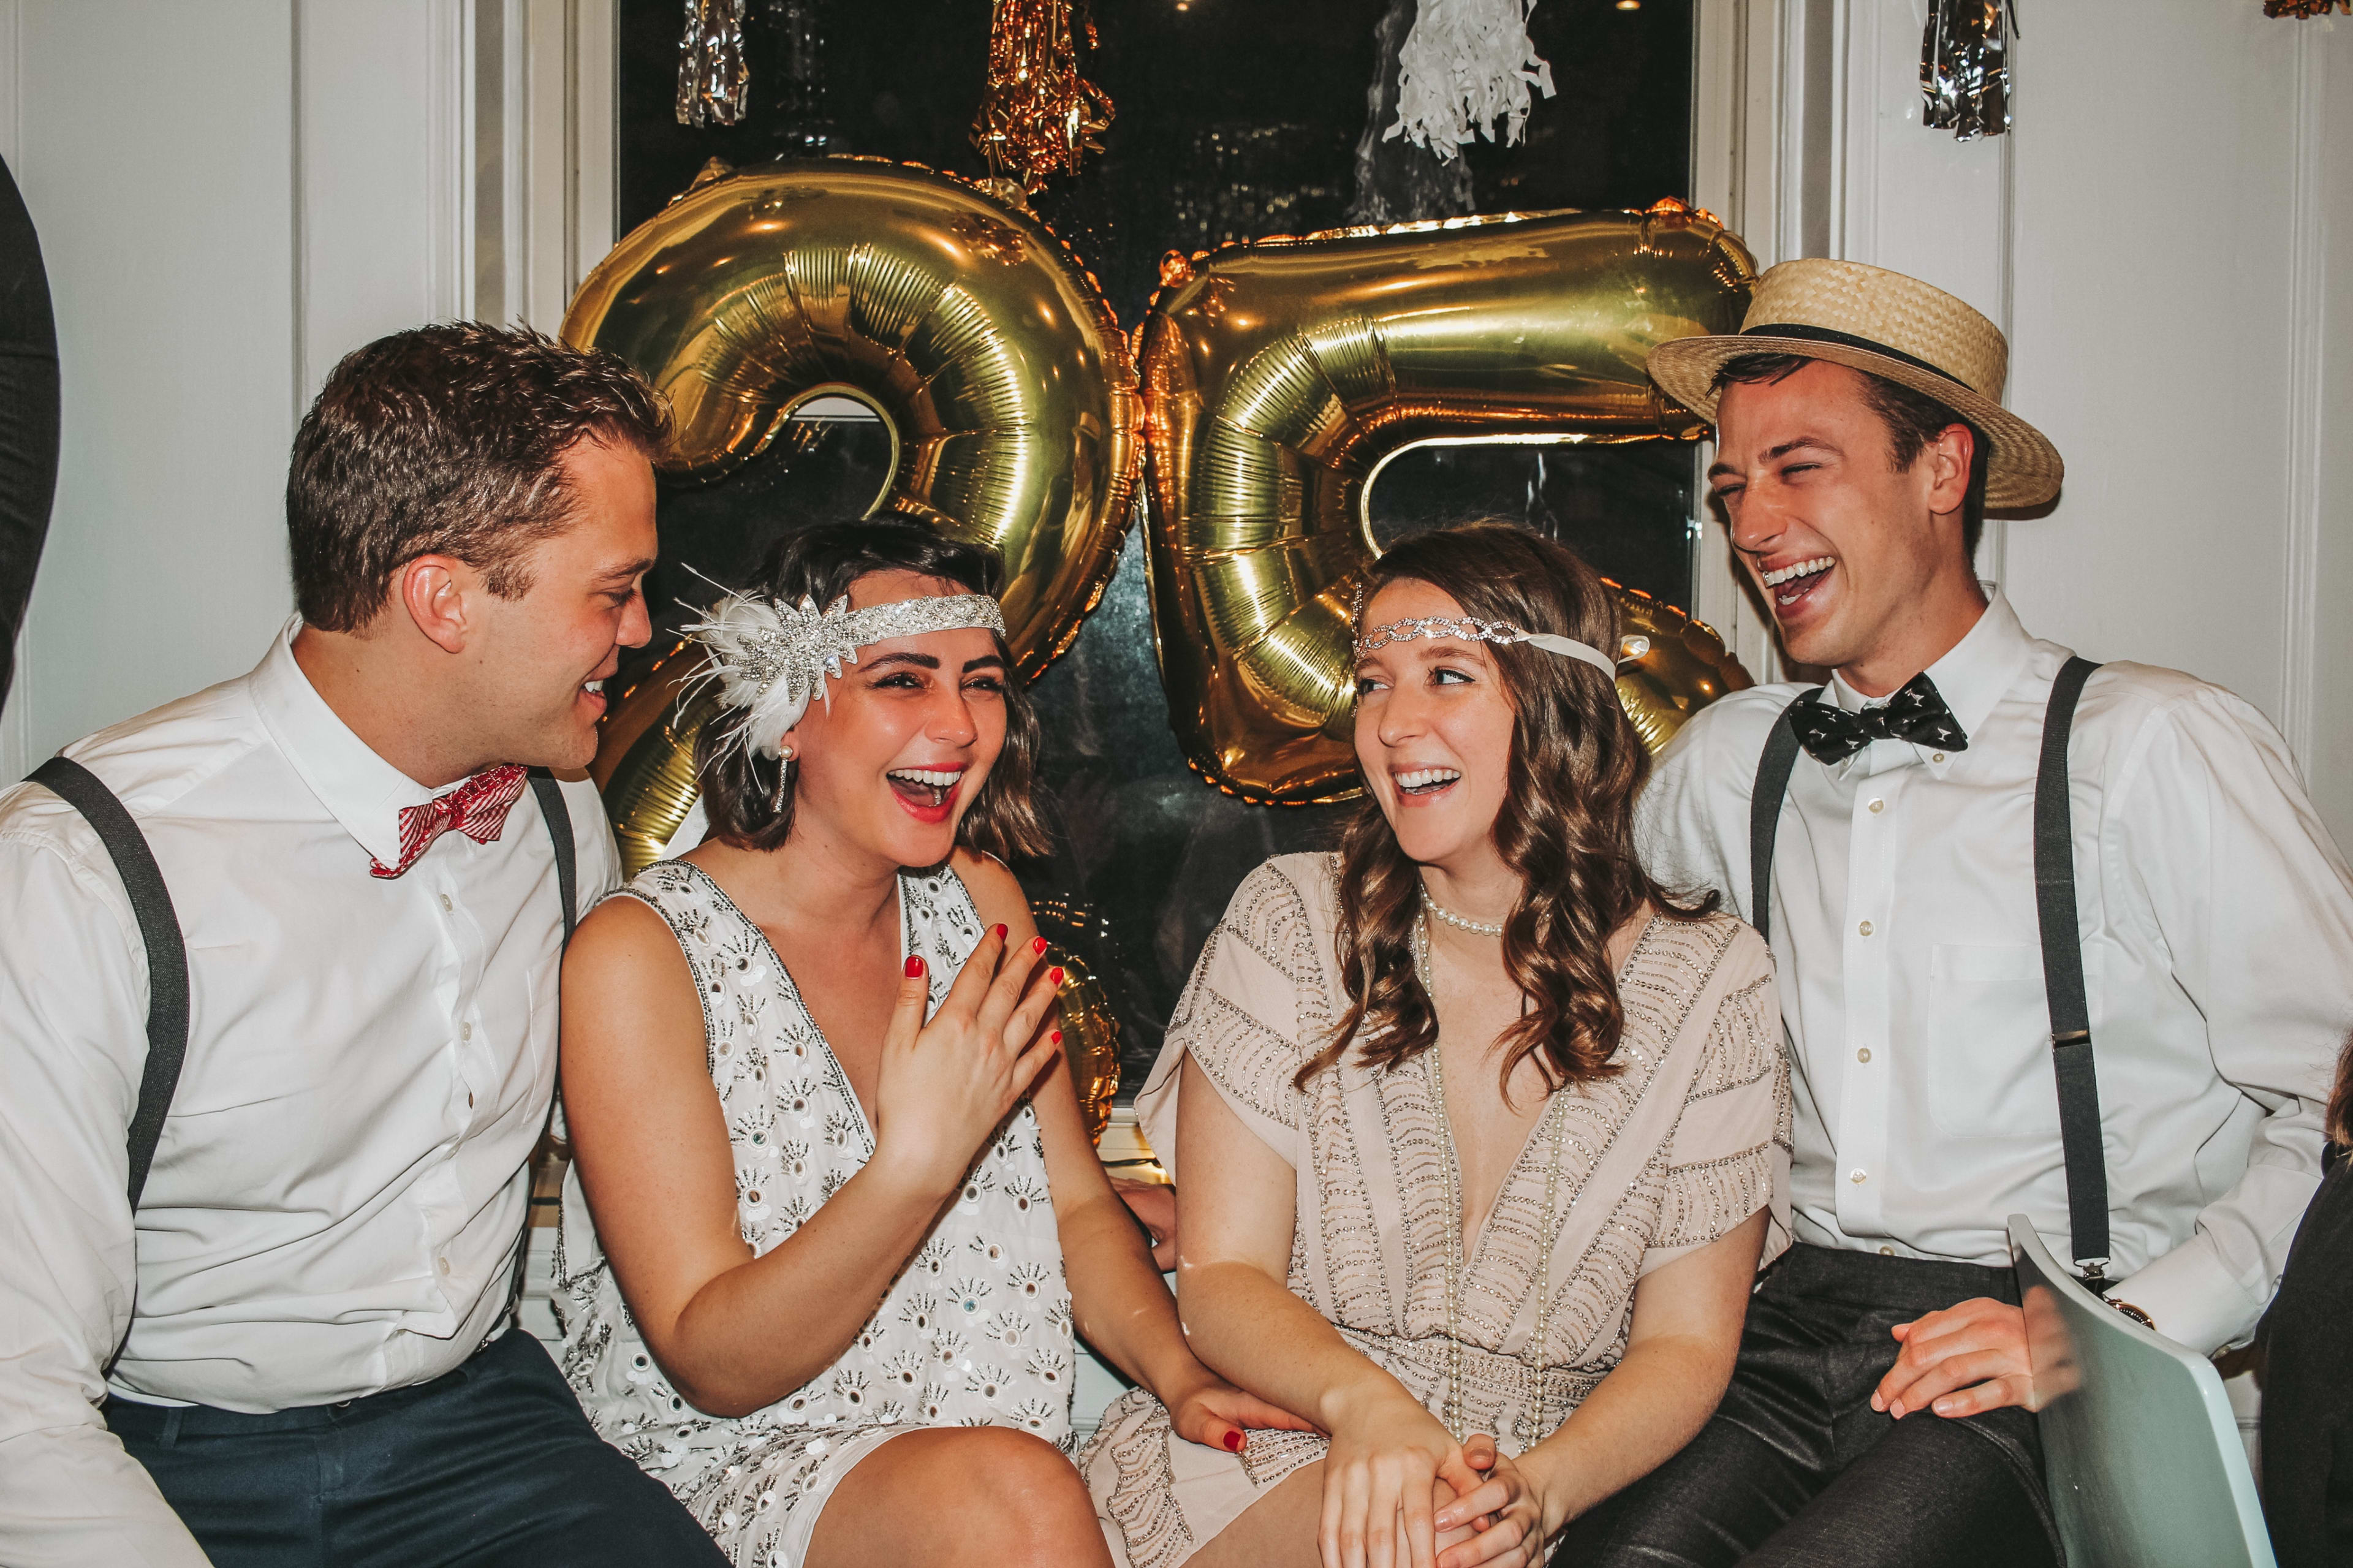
x=159 y=932
x=2062 y=951
x=167 y=952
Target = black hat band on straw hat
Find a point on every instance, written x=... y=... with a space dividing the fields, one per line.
x=1847 y=340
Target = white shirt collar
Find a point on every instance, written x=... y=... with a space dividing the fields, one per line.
x=1971 y=678
x=360 y=789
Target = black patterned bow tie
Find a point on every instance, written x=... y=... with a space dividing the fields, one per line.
x=1916 y=712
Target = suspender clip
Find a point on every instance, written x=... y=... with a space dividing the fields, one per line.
x=2071 y=1037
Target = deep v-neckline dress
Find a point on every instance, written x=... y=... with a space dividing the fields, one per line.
x=975 y=1331
x=1686 y=1142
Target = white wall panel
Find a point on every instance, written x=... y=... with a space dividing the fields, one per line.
x=155 y=152
x=2156 y=177
x=2328 y=327
x=383 y=146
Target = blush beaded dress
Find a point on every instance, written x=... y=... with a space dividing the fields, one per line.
x=1621 y=1175
x=974 y=1332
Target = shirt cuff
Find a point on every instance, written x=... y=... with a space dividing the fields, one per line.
x=2193 y=1297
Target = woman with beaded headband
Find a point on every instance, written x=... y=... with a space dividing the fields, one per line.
x=1480 y=1132
x=833 y=1212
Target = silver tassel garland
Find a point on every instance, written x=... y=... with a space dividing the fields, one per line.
x=714 y=78
x=1965 y=67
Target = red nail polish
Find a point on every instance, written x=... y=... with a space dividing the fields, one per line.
x=1038 y=944
x=1056 y=1038
x=914 y=966
x=1234 y=1441
x=1055 y=975
x=1000 y=934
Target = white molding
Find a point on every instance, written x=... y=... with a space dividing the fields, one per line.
x=2307 y=435
x=1764 y=96
x=298 y=213
x=546 y=109
x=448 y=174
x=595 y=65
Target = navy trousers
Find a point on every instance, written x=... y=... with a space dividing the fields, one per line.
x=1796 y=1469
x=493 y=1463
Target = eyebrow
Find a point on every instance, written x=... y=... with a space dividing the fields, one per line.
x=931 y=661
x=1721 y=467
x=629 y=573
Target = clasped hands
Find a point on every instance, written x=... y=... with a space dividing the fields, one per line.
x=1964 y=1361
x=1387 y=1502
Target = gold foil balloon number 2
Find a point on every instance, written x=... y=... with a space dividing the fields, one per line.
x=1277 y=377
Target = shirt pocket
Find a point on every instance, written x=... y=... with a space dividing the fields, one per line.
x=1988 y=1074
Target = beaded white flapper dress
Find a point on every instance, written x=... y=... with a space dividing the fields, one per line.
x=976 y=1333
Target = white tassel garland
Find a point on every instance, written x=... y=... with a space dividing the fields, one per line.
x=1467 y=64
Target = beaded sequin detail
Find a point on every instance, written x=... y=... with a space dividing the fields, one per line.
x=975 y=1331
x=1519 y=1358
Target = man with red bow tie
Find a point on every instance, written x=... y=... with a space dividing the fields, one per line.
x=277 y=997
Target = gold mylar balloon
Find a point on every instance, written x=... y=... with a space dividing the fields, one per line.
x=1008 y=390
x=987 y=349
x=1673 y=666
x=1280 y=374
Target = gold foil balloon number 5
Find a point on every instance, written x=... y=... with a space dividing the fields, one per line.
x=1280 y=376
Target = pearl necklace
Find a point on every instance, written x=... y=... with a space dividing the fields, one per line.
x=1459 y=922
x=1533 y=1428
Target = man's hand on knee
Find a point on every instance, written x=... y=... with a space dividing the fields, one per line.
x=1960 y=1362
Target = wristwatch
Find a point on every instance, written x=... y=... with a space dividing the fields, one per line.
x=2135 y=1313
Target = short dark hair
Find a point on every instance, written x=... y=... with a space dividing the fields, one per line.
x=746 y=803
x=1912 y=420
x=446 y=440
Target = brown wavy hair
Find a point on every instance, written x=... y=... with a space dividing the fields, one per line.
x=2340 y=1101
x=1566 y=826
x=746 y=803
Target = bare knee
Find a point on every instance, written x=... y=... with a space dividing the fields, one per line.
x=1022 y=1502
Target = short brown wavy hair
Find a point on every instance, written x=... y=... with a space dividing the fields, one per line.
x=447 y=440
x=1566 y=825
x=747 y=804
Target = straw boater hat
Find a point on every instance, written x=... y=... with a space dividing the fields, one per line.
x=1868 y=318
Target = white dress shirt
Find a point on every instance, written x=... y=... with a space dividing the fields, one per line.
x=335 y=1203
x=2217 y=924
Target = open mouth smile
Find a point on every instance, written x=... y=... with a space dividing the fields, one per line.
x=1421 y=783
x=926 y=792
x=1788 y=585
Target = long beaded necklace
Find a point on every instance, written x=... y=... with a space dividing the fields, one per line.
x=1532 y=1429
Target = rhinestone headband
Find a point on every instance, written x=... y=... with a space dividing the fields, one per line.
x=769 y=659
x=1473 y=629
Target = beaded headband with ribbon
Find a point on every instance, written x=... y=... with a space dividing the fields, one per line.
x=769 y=659
x=1473 y=629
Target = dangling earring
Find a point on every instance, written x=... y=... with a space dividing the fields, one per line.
x=784 y=770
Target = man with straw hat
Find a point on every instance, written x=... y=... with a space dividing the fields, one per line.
x=1984 y=865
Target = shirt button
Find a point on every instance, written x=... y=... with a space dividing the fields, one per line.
x=447 y=906
x=469 y=1099
x=1857 y=1177
x=465 y=1031
x=444 y=1262
x=1864 y=1055
x=1886 y=1252
x=1864 y=927
x=1877 y=805
x=1936 y=756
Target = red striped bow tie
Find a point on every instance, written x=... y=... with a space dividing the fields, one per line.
x=477 y=808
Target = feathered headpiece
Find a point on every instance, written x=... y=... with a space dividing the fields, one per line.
x=768 y=659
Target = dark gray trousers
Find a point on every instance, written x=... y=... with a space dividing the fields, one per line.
x=491 y=1464
x=1795 y=1468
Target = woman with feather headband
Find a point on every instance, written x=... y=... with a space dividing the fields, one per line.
x=833 y=1213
